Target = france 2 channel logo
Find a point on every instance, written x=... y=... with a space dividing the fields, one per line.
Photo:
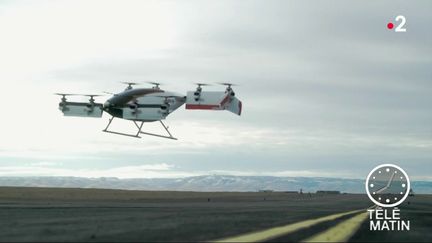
x=400 y=20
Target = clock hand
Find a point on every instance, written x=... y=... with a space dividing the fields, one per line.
x=380 y=190
x=391 y=180
x=388 y=184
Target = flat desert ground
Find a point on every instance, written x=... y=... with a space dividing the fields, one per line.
x=101 y=215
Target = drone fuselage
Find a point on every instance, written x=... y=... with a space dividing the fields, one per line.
x=143 y=104
x=150 y=105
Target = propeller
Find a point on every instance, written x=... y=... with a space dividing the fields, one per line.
x=88 y=95
x=198 y=89
x=228 y=88
x=129 y=84
x=202 y=84
x=228 y=84
x=156 y=84
x=91 y=97
x=64 y=94
x=63 y=99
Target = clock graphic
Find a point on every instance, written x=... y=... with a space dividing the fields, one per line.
x=387 y=185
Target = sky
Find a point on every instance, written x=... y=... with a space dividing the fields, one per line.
x=327 y=89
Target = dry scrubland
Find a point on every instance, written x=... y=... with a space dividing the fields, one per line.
x=59 y=214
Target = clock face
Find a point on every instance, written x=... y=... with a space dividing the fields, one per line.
x=387 y=185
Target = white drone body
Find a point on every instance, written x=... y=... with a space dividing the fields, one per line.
x=141 y=105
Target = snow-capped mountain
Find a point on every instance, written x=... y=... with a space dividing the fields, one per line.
x=207 y=183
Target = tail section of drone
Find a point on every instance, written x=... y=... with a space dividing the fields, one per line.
x=213 y=100
x=235 y=106
x=80 y=109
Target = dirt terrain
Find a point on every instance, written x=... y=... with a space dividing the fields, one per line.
x=58 y=214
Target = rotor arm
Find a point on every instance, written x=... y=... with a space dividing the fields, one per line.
x=80 y=109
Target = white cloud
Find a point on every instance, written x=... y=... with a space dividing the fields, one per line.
x=140 y=171
x=164 y=170
x=161 y=170
x=356 y=90
x=45 y=163
x=51 y=34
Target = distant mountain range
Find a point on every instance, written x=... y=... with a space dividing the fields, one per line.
x=207 y=183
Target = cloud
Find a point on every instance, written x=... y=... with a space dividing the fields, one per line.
x=45 y=164
x=161 y=170
x=164 y=170
x=323 y=87
x=140 y=171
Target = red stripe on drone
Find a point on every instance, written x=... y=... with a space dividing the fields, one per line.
x=225 y=100
x=201 y=107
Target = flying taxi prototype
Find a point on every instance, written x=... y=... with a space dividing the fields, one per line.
x=141 y=105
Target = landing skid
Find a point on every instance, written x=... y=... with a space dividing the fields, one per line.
x=139 y=126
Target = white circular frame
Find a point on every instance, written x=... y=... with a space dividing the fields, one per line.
x=393 y=204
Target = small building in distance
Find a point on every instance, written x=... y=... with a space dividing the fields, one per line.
x=328 y=192
x=293 y=192
x=265 y=191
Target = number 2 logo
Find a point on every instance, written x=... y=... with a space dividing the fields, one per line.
x=400 y=27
